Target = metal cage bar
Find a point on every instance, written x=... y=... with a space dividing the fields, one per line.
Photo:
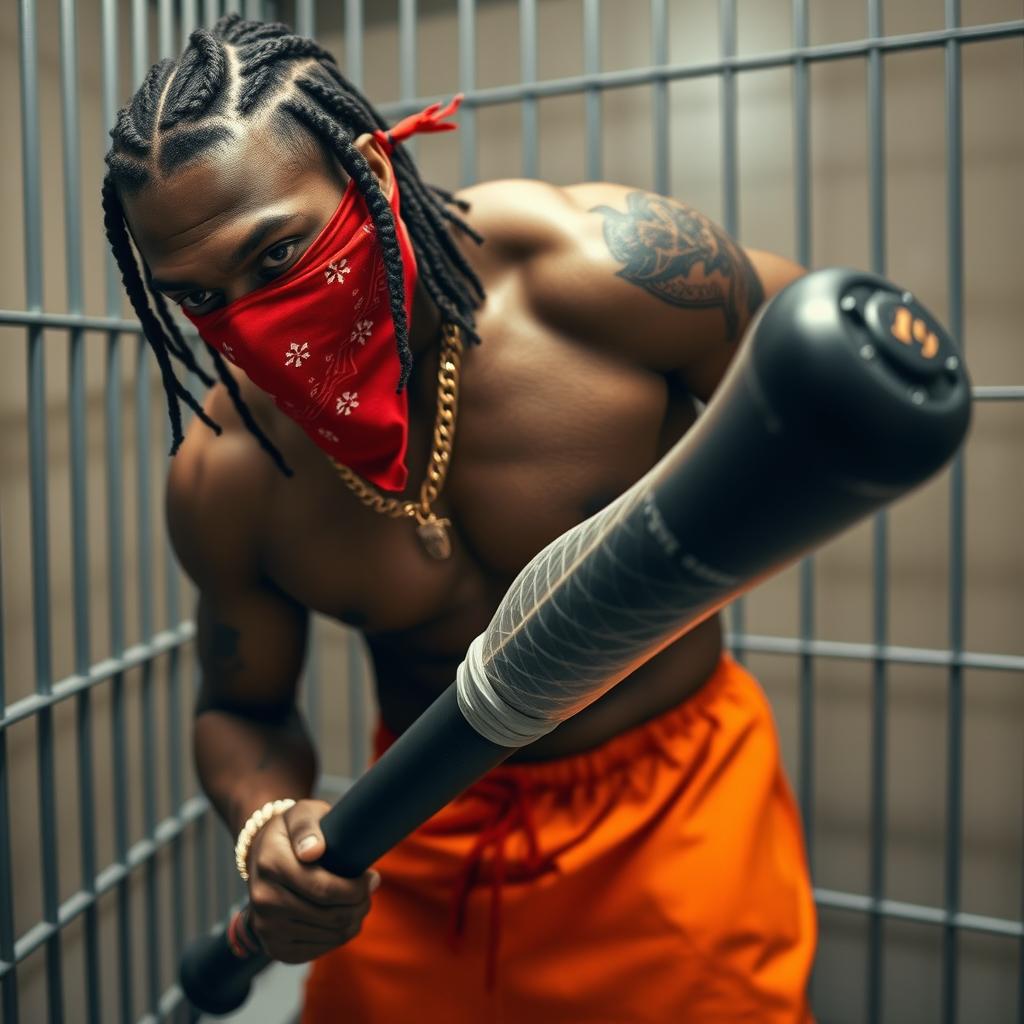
x=528 y=73
x=354 y=42
x=79 y=503
x=661 y=129
x=593 y=134
x=407 y=62
x=8 y=976
x=802 y=205
x=467 y=83
x=880 y=549
x=955 y=741
x=39 y=502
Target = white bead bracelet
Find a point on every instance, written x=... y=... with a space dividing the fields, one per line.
x=256 y=821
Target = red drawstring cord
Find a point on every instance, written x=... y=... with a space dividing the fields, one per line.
x=512 y=808
x=511 y=797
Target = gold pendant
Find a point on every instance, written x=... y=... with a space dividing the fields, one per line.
x=434 y=538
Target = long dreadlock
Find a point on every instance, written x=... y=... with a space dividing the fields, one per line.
x=236 y=72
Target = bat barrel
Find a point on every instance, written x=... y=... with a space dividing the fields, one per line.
x=848 y=394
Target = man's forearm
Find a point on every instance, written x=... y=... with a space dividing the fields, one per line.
x=243 y=761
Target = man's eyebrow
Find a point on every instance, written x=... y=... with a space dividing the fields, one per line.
x=258 y=233
x=254 y=238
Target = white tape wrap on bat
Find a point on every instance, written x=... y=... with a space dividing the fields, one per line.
x=481 y=704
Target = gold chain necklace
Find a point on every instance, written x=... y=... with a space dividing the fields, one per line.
x=431 y=530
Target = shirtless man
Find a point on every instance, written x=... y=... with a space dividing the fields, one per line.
x=607 y=312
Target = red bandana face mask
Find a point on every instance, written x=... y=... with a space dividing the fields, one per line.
x=320 y=340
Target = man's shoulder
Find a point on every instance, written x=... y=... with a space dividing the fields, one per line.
x=216 y=485
x=522 y=217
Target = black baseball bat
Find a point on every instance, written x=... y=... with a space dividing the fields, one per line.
x=846 y=394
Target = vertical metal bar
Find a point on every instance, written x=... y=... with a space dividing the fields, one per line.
x=354 y=42
x=591 y=66
x=32 y=199
x=407 y=69
x=305 y=17
x=802 y=156
x=730 y=197
x=1020 y=952
x=166 y=48
x=802 y=169
x=221 y=879
x=115 y=557
x=174 y=734
x=211 y=12
x=205 y=912
x=730 y=211
x=467 y=82
x=879 y=737
x=140 y=42
x=79 y=501
x=140 y=65
x=115 y=532
x=359 y=749
x=528 y=73
x=311 y=688
x=165 y=30
x=660 y=126
x=189 y=19
x=254 y=10
x=30 y=165
x=9 y=982
x=954 y=289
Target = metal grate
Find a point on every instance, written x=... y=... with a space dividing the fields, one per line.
x=186 y=835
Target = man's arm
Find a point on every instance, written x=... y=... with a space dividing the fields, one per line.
x=249 y=741
x=652 y=279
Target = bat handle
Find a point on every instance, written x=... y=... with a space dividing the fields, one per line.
x=216 y=973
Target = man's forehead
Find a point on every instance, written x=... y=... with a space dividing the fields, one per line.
x=233 y=180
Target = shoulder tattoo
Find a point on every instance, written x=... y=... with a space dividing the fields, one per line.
x=679 y=256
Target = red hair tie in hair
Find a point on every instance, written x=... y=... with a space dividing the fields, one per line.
x=431 y=119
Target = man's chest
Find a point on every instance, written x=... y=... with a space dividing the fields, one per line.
x=548 y=431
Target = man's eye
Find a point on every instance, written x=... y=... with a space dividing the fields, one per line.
x=278 y=256
x=196 y=300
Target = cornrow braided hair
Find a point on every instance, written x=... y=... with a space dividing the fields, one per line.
x=237 y=72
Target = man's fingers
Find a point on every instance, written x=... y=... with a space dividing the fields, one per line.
x=303 y=824
x=322 y=889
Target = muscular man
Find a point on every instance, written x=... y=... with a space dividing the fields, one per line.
x=642 y=862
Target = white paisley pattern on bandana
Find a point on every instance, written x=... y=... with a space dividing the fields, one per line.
x=361 y=331
x=296 y=353
x=347 y=402
x=336 y=271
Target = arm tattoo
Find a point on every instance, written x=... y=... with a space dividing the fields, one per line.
x=681 y=257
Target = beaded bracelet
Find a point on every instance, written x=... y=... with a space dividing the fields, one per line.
x=256 y=821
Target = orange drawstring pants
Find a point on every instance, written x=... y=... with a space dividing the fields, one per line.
x=660 y=878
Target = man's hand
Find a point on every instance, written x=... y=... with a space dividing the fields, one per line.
x=297 y=910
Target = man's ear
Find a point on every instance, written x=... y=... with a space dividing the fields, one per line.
x=373 y=154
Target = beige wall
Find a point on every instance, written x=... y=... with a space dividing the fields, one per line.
x=917 y=258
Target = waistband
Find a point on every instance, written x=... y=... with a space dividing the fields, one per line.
x=614 y=754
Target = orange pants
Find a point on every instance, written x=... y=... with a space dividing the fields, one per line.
x=660 y=878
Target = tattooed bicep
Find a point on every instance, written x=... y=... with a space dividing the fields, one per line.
x=681 y=257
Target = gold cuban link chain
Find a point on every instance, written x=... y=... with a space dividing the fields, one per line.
x=431 y=529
